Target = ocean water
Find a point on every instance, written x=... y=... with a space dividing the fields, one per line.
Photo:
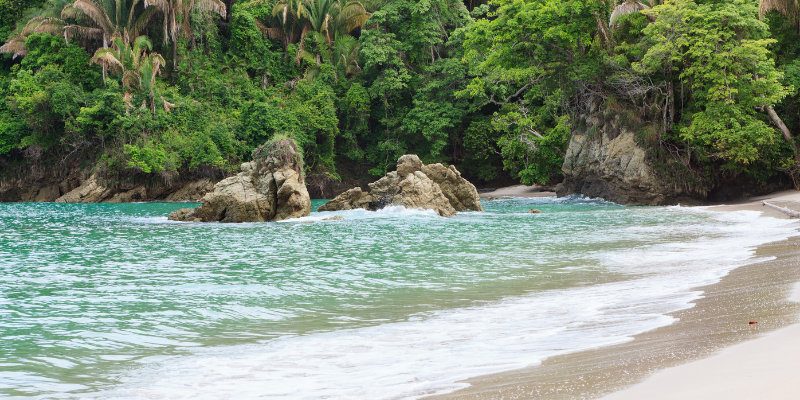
x=102 y=301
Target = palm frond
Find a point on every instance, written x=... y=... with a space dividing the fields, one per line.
x=356 y=21
x=785 y=7
x=215 y=6
x=15 y=47
x=272 y=33
x=139 y=24
x=82 y=32
x=52 y=26
x=131 y=79
x=96 y=13
x=107 y=58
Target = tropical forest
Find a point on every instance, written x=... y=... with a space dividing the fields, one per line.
x=175 y=90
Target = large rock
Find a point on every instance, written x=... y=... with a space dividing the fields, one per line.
x=48 y=194
x=139 y=193
x=604 y=160
x=462 y=195
x=413 y=185
x=90 y=191
x=269 y=188
x=192 y=191
x=349 y=200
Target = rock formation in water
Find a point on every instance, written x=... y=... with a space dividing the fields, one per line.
x=413 y=185
x=269 y=188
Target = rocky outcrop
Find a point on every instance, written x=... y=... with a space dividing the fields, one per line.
x=90 y=191
x=269 y=188
x=75 y=189
x=603 y=160
x=192 y=191
x=350 y=200
x=461 y=194
x=413 y=185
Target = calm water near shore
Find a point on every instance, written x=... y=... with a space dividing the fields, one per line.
x=114 y=301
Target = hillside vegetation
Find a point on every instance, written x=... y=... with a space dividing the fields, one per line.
x=180 y=89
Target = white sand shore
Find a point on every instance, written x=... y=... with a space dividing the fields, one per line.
x=765 y=368
x=518 y=191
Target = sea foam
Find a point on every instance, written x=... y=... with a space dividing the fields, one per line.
x=432 y=352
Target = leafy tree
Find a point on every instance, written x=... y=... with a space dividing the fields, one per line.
x=529 y=62
x=12 y=12
x=723 y=49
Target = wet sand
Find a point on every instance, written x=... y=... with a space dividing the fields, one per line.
x=762 y=368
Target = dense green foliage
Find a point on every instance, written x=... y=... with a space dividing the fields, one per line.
x=494 y=88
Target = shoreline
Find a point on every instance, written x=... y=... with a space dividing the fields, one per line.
x=761 y=368
x=517 y=191
x=713 y=335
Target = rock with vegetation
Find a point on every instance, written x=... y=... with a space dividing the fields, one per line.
x=413 y=185
x=269 y=188
x=605 y=161
x=139 y=193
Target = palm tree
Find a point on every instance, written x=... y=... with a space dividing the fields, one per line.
x=332 y=17
x=285 y=25
x=177 y=17
x=789 y=8
x=294 y=19
x=138 y=68
x=107 y=20
x=16 y=44
x=345 y=56
x=43 y=20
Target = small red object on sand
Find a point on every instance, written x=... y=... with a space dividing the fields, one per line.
x=753 y=322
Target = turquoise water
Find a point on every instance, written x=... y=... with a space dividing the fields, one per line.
x=113 y=300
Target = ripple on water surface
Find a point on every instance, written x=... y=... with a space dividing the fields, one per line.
x=103 y=300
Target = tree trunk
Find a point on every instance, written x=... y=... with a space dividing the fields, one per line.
x=671 y=94
x=790 y=213
x=174 y=56
x=105 y=46
x=785 y=131
x=603 y=31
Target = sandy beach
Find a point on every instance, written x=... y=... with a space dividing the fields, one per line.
x=710 y=352
x=764 y=368
x=518 y=191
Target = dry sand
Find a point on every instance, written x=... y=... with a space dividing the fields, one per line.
x=765 y=368
x=518 y=191
x=737 y=360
